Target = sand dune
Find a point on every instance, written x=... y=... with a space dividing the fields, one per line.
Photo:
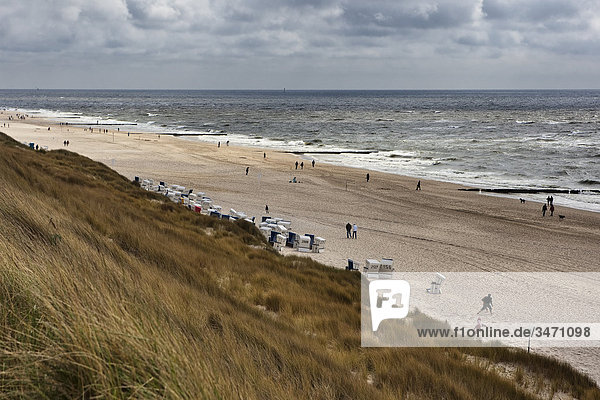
x=436 y=229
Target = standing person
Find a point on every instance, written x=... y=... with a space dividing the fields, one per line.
x=296 y=164
x=354 y=231
x=348 y=230
x=551 y=200
x=227 y=143
x=544 y=208
x=264 y=155
x=551 y=209
x=368 y=177
x=266 y=208
x=313 y=163
x=247 y=169
x=302 y=165
x=219 y=144
x=548 y=200
x=487 y=303
x=418 y=185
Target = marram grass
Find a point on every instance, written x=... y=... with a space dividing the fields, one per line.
x=108 y=291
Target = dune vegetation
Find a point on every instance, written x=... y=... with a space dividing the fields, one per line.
x=109 y=291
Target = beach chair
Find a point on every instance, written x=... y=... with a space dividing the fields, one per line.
x=318 y=244
x=386 y=268
x=279 y=241
x=312 y=238
x=287 y=224
x=372 y=268
x=265 y=231
x=291 y=240
x=436 y=284
x=304 y=244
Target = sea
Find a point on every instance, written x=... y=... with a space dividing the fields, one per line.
x=525 y=139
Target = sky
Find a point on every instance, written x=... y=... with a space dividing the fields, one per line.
x=300 y=44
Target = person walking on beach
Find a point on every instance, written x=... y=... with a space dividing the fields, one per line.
x=551 y=209
x=296 y=164
x=247 y=169
x=266 y=208
x=551 y=200
x=368 y=177
x=313 y=163
x=219 y=144
x=264 y=155
x=418 y=185
x=487 y=303
x=348 y=230
x=354 y=231
x=302 y=165
x=544 y=208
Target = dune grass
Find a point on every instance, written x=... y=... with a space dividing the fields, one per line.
x=108 y=291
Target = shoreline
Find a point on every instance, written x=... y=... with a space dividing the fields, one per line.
x=436 y=229
x=576 y=195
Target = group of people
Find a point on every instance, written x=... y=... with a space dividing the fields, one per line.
x=351 y=231
x=65 y=143
x=301 y=164
x=19 y=116
x=549 y=205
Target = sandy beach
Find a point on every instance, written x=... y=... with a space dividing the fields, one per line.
x=438 y=228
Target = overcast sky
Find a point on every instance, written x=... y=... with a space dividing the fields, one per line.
x=300 y=44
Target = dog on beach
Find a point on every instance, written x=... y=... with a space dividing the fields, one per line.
x=561 y=217
x=522 y=200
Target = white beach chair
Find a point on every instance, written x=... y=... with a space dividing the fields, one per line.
x=372 y=268
x=304 y=244
x=386 y=268
x=265 y=230
x=287 y=224
x=436 y=284
x=318 y=244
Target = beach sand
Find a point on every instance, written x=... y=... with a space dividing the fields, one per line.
x=436 y=229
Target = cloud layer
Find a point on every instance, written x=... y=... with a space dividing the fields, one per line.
x=301 y=43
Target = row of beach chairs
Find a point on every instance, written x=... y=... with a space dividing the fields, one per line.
x=278 y=232
x=195 y=201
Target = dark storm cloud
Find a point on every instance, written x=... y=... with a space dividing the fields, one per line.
x=293 y=34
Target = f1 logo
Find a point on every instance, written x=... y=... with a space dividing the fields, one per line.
x=388 y=299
